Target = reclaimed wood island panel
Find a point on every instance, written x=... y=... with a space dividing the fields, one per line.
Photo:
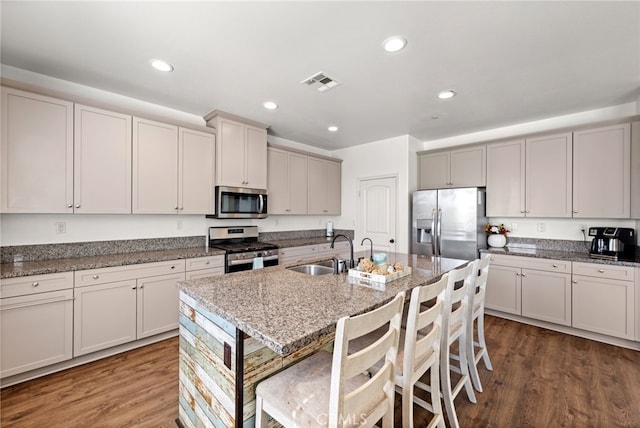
x=240 y=328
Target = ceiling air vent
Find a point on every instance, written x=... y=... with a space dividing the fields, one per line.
x=321 y=82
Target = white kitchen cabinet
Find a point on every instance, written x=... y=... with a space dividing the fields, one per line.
x=604 y=299
x=635 y=169
x=530 y=178
x=456 y=168
x=201 y=267
x=36 y=322
x=121 y=304
x=155 y=167
x=602 y=172
x=102 y=162
x=196 y=164
x=287 y=182
x=37 y=153
x=324 y=186
x=157 y=304
x=172 y=169
x=531 y=287
x=241 y=151
x=341 y=249
x=291 y=255
x=637 y=308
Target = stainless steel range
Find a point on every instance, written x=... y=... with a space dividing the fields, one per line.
x=242 y=249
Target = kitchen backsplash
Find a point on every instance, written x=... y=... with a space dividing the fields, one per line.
x=27 y=253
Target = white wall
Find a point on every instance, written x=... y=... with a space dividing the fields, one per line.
x=556 y=228
x=385 y=158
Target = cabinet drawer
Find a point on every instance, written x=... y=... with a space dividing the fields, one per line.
x=33 y=284
x=623 y=273
x=297 y=254
x=123 y=273
x=203 y=273
x=548 y=265
x=205 y=262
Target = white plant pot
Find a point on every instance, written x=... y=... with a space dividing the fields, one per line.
x=497 y=240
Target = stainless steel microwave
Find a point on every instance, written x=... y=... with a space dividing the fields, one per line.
x=240 y=202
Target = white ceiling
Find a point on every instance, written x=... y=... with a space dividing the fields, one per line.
x=510 y=62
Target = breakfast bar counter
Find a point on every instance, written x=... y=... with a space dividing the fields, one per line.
x=237 y=329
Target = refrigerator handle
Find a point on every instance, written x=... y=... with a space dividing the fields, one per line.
x=439 y=232
x=433 y=232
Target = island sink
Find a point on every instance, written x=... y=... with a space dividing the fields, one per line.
x=320 y=268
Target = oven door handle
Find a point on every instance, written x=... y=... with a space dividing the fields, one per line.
x=248 y=261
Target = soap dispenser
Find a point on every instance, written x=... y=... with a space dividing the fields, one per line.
x=329 y=229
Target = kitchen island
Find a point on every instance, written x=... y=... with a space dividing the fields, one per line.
x=237 y=329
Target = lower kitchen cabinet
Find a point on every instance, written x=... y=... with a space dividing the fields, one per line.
x=125 y=303
x=604 y=299
x=531 y=287
x=304 y=253
x=36 y=322
x=202 y=267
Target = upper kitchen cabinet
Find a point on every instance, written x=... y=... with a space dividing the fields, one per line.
x=456 y=168
x=196 y=165
x=635 y=171
x=287 y=182
x=530 y=178
x=601 y=172
x=37 y=153
x=241 y=155
x=102 y=162
x=324 y=185
x=172 y=169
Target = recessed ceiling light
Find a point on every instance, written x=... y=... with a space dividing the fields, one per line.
x=270 y=105
x=394 y=44
x=332 y=128
x=161 y=65
x=445 y=95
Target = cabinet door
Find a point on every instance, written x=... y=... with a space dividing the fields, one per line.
x=158 y=298
x=37 y=153
x=155 y=167
x=604 y=306
x=601 y=172
x=549 y=176
x=504 y=289
x=292 y=255
x=230 y=148
x=35 y=331
x=278 y=182
x=104 y=316
x=196 y=160
x=317 y=185
x=334 y=184
x=434 y=170
x=255 y=158
x=468 y=167
x=546 y=296
x=635 y=170
x=506 y=179
x=102 y=162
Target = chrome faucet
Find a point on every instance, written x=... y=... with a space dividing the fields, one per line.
x=352 y=262
x=371 y=242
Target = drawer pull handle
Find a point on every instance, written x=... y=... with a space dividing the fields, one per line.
x=207 y=262
x=35 y=284
x=601 y=270
x=173 y=267
x=523 y=275
x=555 y=266
x=574 y=281
x=96 y=276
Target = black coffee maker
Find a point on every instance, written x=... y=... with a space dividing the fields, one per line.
x=613 y=243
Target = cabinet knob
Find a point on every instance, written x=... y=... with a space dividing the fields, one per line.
x=324 y=211
x=141 y=287
x=181 y=208
x=575 y=211
x=601 y=270
x=176 y=208
x=77 y=205
x=527 y=211
x=574 y=282
x=133 y=288
x=554 y=265
x=517 y=274
x=521 y=211
x=35 y=284
x=173 y=267
x=96 y=276
x=524 y=274
x=207 y=262
x=69 y=205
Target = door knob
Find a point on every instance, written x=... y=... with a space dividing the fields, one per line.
x=392 y=241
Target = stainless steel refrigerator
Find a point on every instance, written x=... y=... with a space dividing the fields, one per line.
x=449 y=222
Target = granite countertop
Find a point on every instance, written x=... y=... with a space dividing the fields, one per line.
x=13 y=270
x=287 y=310
x=297 y=242
x=574 y=256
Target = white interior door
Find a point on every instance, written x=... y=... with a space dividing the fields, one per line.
x=377 y=212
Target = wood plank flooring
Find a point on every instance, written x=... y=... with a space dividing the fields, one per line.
x=541 y=379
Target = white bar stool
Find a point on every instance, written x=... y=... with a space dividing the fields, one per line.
x=322 y=390
x=476 y=312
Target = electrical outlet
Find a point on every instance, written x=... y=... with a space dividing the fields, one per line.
x=61 y=227
x=514 y=227
x=582 y=228
x=179 y=224
x=541 y=227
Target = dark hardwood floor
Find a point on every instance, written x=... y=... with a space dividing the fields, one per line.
x=541 y=379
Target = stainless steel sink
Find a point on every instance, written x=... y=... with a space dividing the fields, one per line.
x=320 y=268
